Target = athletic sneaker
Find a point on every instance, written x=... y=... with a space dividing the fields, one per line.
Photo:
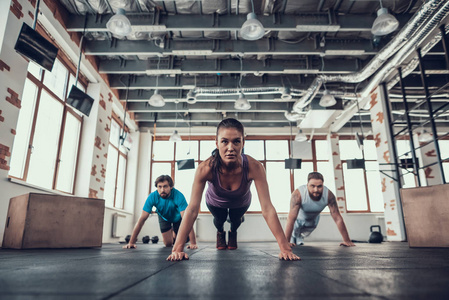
x=221 y=240
x=298 y=241
x=232 y=240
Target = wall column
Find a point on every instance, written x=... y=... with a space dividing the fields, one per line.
x=13 y=72
x=338 y=172
x=390 y=188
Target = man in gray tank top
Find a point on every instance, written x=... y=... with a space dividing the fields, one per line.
x=307 y=202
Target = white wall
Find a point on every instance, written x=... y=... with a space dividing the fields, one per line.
x=13 y=79
x=256 y=229
x=4 y=9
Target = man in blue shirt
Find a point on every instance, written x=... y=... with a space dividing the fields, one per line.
x=170 y=206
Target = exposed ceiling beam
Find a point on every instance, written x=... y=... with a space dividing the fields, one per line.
x=177 y=95
x=266 y=46
x=224 y=82
x=314 y=22
x=267 y=107
x=205 y=66
x=212 y=117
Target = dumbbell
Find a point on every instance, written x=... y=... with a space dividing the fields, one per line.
x=127 y=238
x=155 y=239
x=146 y=239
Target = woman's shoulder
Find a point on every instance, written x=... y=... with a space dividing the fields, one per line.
x=205 y=169
x=255 y=167
x=253 y=162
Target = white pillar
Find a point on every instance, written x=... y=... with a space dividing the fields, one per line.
x=427 y=155
x=390 y=188
x=338 y=172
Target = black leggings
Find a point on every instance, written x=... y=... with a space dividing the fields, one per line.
x=221 y=214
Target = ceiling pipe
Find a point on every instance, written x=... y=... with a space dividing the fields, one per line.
x=403 y=53
x=407 y=33
x=247 y=91
x=409 y=48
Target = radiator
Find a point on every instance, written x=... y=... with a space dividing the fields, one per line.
x=118 y=225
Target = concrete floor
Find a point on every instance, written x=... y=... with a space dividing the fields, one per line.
x=327 y=271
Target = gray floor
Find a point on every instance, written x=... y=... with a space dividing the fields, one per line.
x=326 y=271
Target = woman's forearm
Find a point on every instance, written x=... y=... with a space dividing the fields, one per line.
x=185 y=229
x=275 y=226
x=289 y=229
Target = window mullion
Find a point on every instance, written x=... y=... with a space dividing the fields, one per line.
x=33 y=126
x=58 y=155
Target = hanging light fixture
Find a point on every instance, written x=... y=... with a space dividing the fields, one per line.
x=327 y=99
x=425 y=136
x=252 y=29
x=175 y=137
x=286 y=94
x=191 y=97
x=300 y=136
x=157 y=100
x=385 y=23
x=119 y=24
x=242 y=103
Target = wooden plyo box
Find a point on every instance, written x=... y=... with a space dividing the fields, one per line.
x=53 y=221
x=426 y=215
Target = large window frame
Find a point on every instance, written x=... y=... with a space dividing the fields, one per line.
x=67 y=112
x=120 y=165
x=171 y=164
x=365 y=179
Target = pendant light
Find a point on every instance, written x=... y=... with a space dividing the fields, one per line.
x=175 y=137
x=252 y=29
x=157 y=100
x=425 y=136
x=242 y=103
x=300 y=136
x=327 y=99
x=119 y=24
x=385 y=23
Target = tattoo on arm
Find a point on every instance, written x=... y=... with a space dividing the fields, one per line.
x=332 y=203
x=295 y=199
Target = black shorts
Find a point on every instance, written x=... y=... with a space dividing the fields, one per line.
x=166 y=226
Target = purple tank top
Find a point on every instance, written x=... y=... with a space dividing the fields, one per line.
x=220 y=197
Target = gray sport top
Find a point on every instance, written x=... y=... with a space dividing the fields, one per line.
x=310 y=209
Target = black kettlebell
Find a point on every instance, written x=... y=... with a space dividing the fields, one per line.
x=146 y=239
x=155 y=239
x=375 y=236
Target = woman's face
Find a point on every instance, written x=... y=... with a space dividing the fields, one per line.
x=230 y=144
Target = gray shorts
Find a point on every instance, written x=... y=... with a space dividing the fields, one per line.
x=166 y=225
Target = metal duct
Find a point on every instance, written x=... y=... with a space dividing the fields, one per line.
x=405 y=52
x=308 y=97
x=407 y=33
x=246 y=91
x=414 y=62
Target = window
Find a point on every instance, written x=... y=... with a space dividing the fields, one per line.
x=114 y=187
x=362 y=187
x=48 y=133
x=404 y=152
x=271 y=153
x=444 y=150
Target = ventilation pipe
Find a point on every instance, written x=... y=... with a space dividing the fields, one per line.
x=411 y=34
x=406 y=51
